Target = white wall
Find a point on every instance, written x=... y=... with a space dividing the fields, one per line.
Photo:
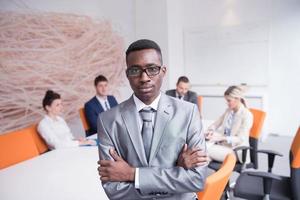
x=165 y=21
x=151 y=23
x=284 y=82
x=283 y=20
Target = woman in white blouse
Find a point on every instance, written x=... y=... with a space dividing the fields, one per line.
x=232 y=128
x=53 y=128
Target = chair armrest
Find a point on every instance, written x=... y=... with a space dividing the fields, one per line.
x=267 y=179
x=264 y=175
x=271 y=157
x=244 y=150
x=266 y=151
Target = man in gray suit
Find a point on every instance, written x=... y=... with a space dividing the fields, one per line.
x=151 y=145
x=182 y=91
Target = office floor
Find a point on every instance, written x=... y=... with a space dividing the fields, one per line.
x=281 y=166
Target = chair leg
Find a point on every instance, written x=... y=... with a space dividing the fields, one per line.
x=227 y=196
x=223 y=197
x=227 y=191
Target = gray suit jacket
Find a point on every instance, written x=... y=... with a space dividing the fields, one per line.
x=190 y=96
x=177 y=122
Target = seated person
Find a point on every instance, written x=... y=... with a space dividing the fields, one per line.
x=232 y=128
x=182 y=91
x=99 y=103
x=53 y=128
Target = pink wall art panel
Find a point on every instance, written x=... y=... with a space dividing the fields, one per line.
x=58 y=51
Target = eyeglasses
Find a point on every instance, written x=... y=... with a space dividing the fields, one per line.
x=136 y=71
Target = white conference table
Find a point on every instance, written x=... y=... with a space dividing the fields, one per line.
x=59 y=174
x=64 y=174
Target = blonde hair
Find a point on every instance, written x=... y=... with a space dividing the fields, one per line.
x=236 y=92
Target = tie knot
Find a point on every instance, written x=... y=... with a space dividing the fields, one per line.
x=146 y=114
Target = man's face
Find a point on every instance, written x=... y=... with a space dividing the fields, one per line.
x=102 y=88
x=182 y=88
x=144 y=87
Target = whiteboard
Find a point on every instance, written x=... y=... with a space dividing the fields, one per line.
x=227 y=55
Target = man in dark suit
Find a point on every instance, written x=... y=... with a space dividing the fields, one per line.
x=99 y=103
x=182 y=91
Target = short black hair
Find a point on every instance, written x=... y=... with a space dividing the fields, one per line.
x=183 y=79
x=50 y=96
x=144 y=44
x=100 y=78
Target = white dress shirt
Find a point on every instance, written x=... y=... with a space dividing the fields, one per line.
x=177 y=96
x=104 y=103
x=139 y=106
x=56 y=133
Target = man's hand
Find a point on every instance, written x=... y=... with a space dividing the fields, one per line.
x=115 y=171
x=191 y=158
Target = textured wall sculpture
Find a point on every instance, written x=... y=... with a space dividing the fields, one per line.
x=63 y=52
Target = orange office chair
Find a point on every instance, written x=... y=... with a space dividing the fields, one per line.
x=255 y=132
x=38 y=140
x=266 y=185
x=216 y=183
x=16 y=147
x=84 y=121
x=200 y=103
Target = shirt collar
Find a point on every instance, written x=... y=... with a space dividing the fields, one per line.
x=140 y=105
x=51 y=119
x=101 y=99
x=177 y=95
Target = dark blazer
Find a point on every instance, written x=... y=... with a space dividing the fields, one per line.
x=190 y=96
x=93 y=108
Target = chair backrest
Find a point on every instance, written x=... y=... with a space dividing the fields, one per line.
x=38 y=140
x=258 y=122
x=216 y=183
x=255 y=132
x=295 y=165
x=84 y=121
x=16 y=147
x=200 y=103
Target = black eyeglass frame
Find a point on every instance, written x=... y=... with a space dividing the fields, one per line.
x=146 y=70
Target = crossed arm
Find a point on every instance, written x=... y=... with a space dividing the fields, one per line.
x=119 y=170
x=119 y=174
x=188 y=175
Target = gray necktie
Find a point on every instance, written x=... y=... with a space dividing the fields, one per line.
x=147 y=129
x=106 y=105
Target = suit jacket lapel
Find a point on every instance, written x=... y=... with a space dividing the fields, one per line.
x=174 y=93
x=187 y=96
x=110 y=101
x=98 y=105
x=163 y=115
x=130 y=117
